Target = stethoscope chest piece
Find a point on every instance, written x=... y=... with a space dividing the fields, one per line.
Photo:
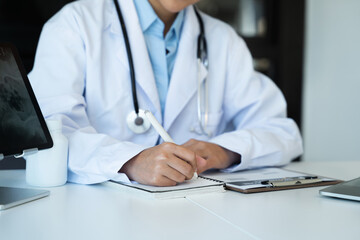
x=138 y=123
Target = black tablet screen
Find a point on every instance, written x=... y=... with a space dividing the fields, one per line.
x=21 y=123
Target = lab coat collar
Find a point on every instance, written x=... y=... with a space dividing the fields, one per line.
x=143 y=69
x=184 y=79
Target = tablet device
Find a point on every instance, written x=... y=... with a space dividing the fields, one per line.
x=346 y=190
x=22 y=125
x=10 y=197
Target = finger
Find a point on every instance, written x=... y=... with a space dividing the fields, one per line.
x=182 y=153
x=164 y=181
x=174 y=175
x=202 y=164
x=187 y=144
x=190 y=143
x=199 y=147
x=182 y=167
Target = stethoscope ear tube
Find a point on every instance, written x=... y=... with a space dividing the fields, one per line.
x=129 y=55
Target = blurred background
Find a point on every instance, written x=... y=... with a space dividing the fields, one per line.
x=309 y=48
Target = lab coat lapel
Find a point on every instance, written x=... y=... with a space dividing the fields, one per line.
x=143 y=69
x=184 y=80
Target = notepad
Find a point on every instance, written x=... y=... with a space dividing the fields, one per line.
x=196 y=186
x=250 y=181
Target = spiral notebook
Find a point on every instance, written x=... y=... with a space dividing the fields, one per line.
x=250 y=181
x=198 y=186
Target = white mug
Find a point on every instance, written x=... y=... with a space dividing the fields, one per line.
x=48 y=168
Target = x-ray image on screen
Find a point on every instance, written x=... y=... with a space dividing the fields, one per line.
x=19 y=124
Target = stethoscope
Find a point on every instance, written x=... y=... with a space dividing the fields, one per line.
x=137 y=120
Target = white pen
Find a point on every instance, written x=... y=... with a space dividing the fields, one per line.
x=161 y=131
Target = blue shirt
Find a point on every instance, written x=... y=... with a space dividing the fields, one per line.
x=162 y=50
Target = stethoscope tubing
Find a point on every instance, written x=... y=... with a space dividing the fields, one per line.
x=138 y=125
x=129 y=55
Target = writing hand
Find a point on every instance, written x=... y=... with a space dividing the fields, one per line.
x=164 y=165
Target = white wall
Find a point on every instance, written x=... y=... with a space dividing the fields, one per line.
x=331 y=105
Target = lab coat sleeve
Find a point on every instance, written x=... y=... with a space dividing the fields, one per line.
x=263 y=135
x=58 y=79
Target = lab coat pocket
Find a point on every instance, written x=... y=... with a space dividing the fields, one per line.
x=210 y=127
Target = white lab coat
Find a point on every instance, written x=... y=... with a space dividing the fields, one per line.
x=81 y=76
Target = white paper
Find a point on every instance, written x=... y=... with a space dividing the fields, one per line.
x=196 y=183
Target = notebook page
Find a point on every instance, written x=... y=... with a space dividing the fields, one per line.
x=190 y=184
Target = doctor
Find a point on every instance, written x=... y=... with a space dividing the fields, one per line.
x=220 y=112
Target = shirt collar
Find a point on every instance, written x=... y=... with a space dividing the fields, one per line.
x=145 y=13
x=177 y=24
x=147 y=17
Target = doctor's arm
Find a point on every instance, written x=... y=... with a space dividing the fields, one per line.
x=59 y=81
x=263 y=135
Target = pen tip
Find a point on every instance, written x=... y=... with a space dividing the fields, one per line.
x=195 y=176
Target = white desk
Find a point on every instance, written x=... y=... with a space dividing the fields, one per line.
x=99 y=212
x=292 y=214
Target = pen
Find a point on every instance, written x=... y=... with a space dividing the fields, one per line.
x=161 y=131
x=290 y=179
x=268 y=181
x=294 y=182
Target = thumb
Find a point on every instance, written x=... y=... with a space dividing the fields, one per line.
x=201 y=164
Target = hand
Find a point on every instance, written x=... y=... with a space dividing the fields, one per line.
x=210 y=155
x=164 y=165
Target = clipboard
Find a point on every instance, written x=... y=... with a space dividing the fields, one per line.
x=270 y=179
